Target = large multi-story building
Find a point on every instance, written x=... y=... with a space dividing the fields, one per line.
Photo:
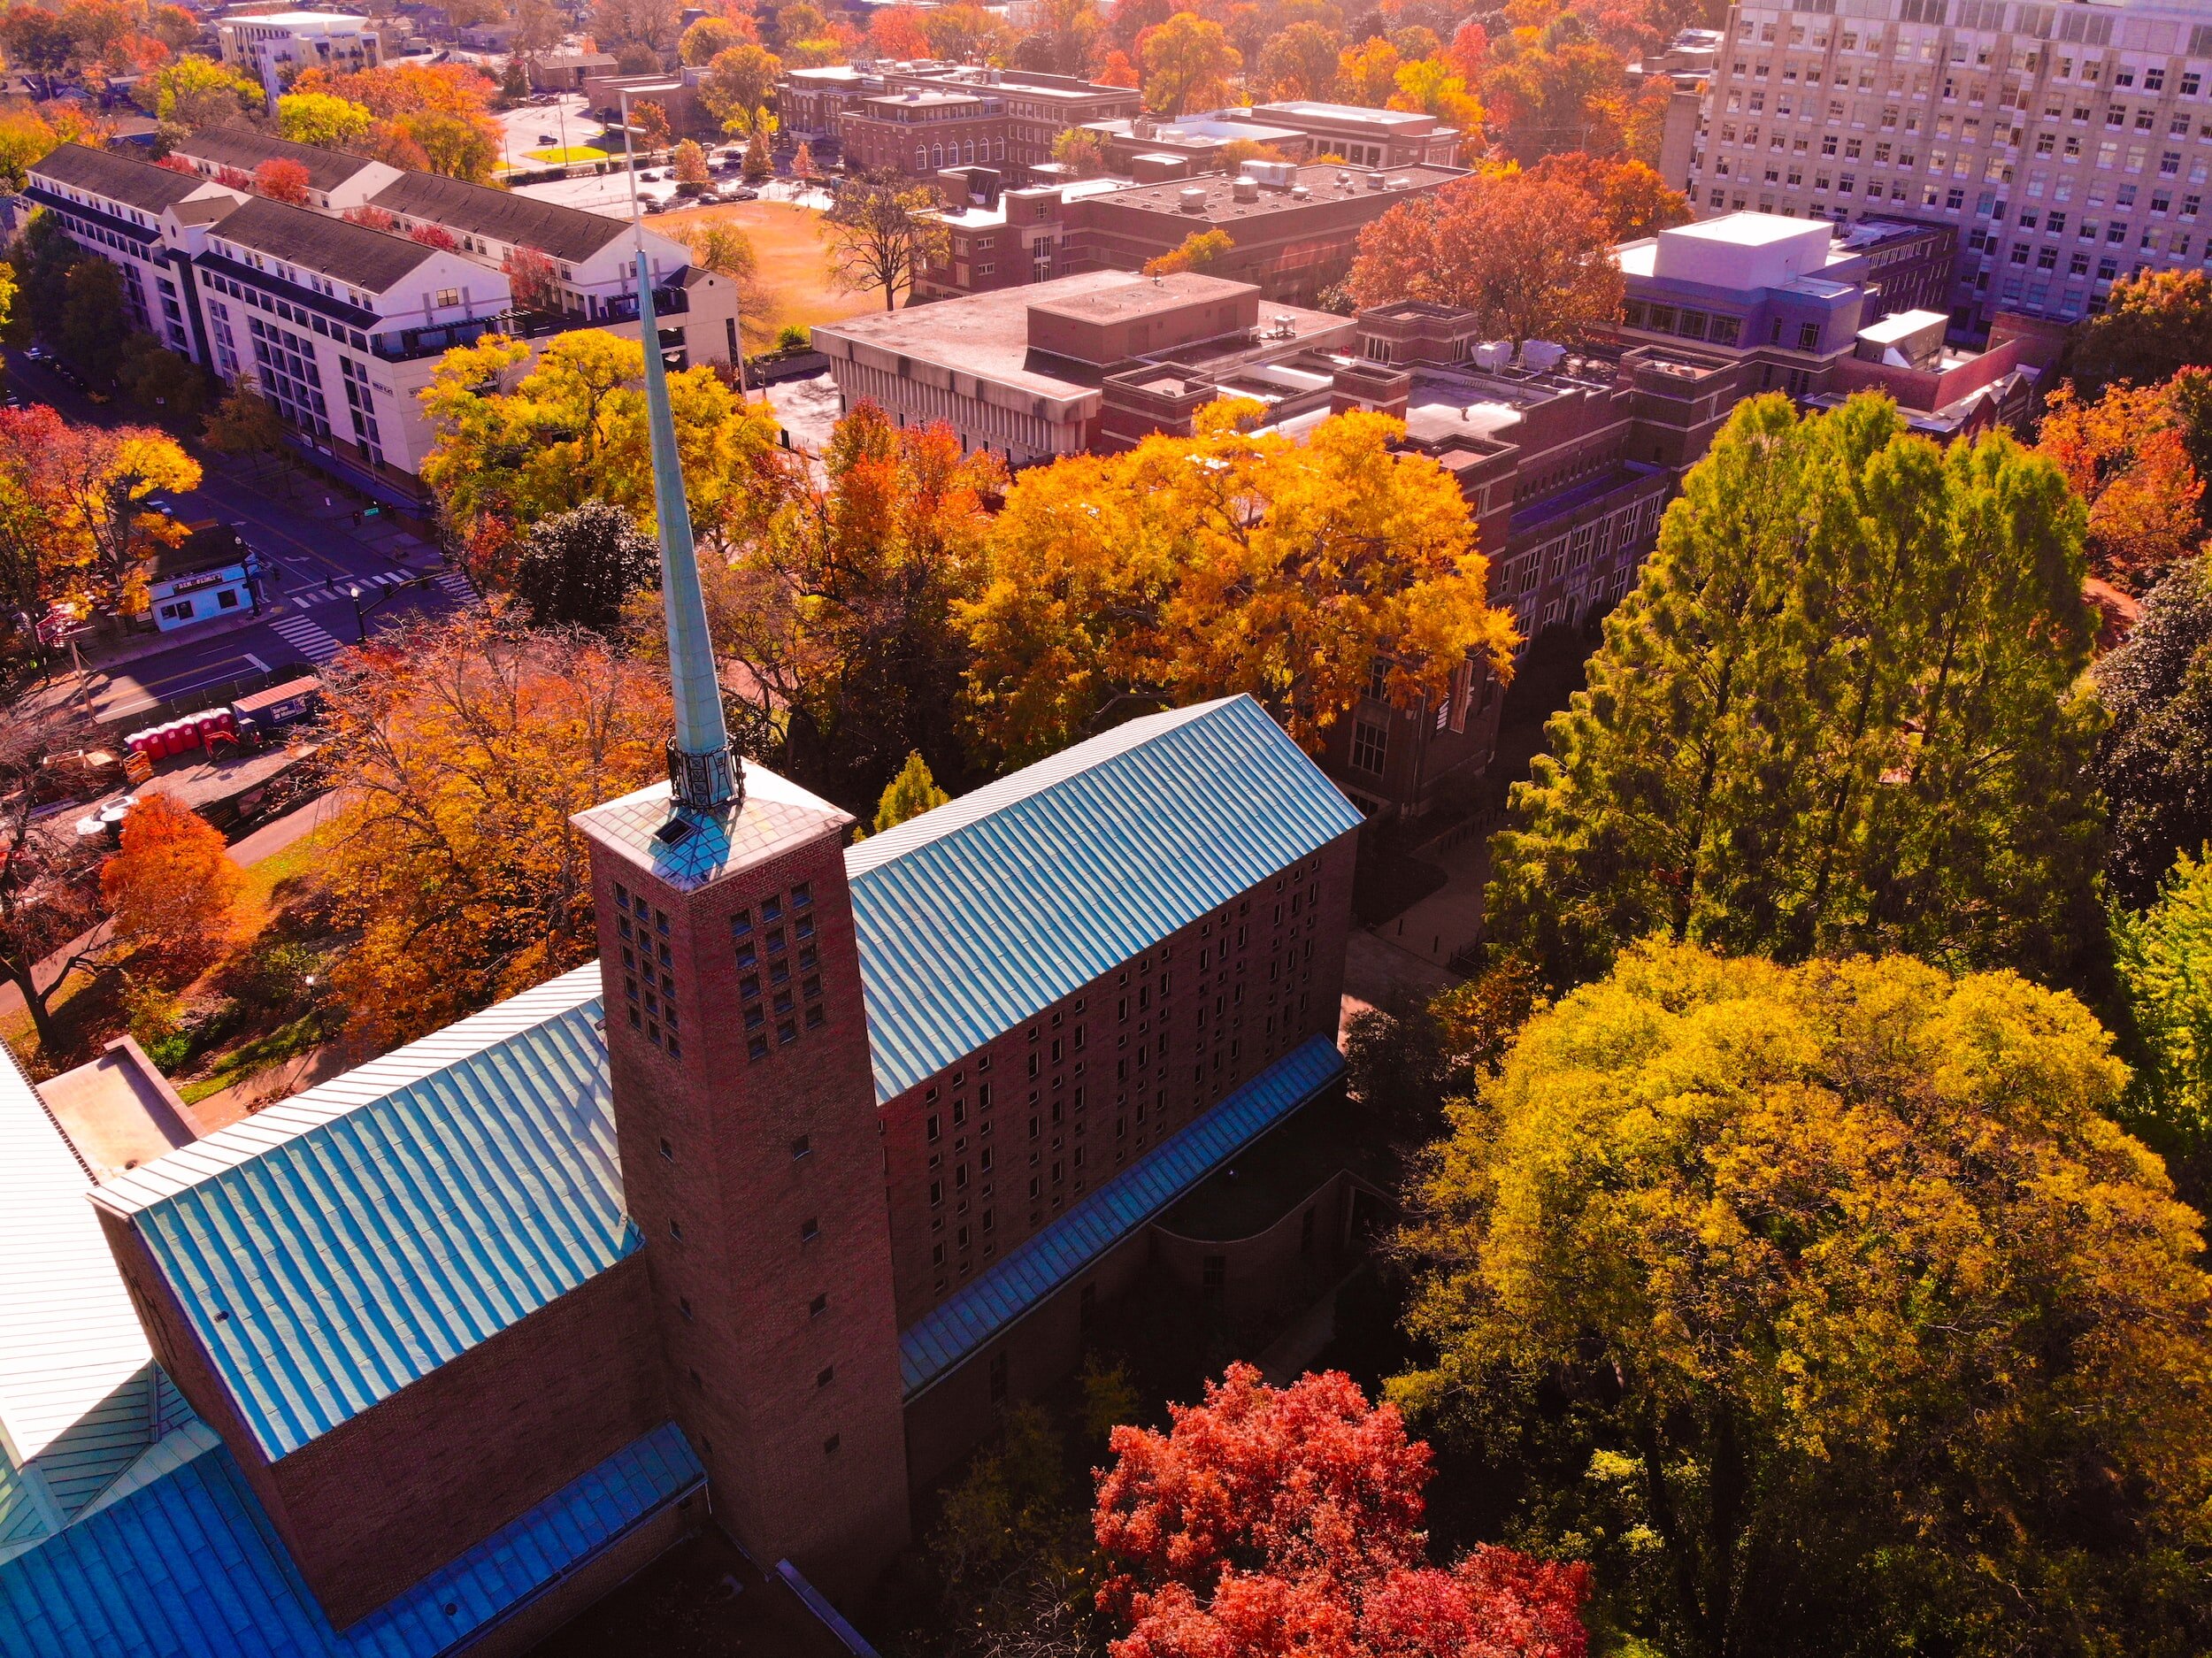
x=2064 y=145
x=1293 y=230
x=919 y=117
x=340 y=323
x=831 y=1153
x=274 y=47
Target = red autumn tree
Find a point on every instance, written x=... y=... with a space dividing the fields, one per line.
x=1268 y=1522
x=173 y=886
x=281 y=180
x=435 y=236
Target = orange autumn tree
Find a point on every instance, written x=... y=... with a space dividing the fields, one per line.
x=462 y=752
x=173 y=886
x=2127 y=456
x=1532 y=257
x=1271 y=1522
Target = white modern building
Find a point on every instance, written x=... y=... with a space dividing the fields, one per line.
x=336 y=182
x=2066 y=144
x=275 y=47
x=340 y=324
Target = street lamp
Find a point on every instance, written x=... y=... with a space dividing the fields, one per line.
x=360 y=622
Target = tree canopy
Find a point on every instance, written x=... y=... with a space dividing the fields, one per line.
x=840 y=612
x=171 y=886
x=882 y=233
x=2155 y=759
x=577 y=568
x=1532 y=257
x=1271 y=1522
x=1830 y=1308
x=1227 y=561
x=910 y=794
x=2163 y=958
x=573 y=429
x=2127 y=456
x=2152 y=324
x=1838 y=713
x=461 y=754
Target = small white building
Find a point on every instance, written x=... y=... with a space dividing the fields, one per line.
x=205 y=577
x=274 y=47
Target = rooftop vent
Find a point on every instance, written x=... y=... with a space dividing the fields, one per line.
x=1300 y=193
x=1245 y=189
x=1192 y=200
x=1374 y=180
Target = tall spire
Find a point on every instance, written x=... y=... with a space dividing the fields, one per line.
x=704 y=772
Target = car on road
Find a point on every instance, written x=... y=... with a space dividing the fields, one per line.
x=36 y=353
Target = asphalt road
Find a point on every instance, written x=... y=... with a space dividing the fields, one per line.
x=325 y=583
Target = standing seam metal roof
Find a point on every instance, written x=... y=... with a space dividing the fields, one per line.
x=330 y=1250
x=188 y=1566
x=951 y=1332
x=976 y=916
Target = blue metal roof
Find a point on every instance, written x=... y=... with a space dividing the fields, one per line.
x=330 y=1250
x=976 y=916
x=189 y=1567
x=952 y=1331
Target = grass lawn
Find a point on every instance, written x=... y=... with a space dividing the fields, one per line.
x=557 y=156
x=88 y=1008
x=793 y=263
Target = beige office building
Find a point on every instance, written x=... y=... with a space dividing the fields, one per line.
x=2068 y=145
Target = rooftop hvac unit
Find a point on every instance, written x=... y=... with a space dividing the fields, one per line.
x=1192 y=200
x=1245 y=189
x=1493 y=355
x=1374 y=180
x=1274 y=175
x=1541 y=355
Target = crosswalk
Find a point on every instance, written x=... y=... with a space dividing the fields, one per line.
x=316 y=644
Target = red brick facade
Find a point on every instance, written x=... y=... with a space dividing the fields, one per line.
x=997 y=1144
x=755 y=1180
x=389 y=1496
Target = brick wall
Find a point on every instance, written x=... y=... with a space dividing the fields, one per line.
x=391 y=1494
x=384 y=1498
x=758 y=1183
x=1091 y=1084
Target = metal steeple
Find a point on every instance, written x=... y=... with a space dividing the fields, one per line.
x=704 y=773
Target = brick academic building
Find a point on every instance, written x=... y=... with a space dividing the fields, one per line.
x=833 y=1151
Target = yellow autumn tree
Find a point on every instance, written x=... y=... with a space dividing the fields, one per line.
x=1226 y=561
x=461 y=754
x=573 y=429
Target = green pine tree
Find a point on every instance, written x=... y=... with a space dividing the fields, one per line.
x=910 y=794
x=1839 y=714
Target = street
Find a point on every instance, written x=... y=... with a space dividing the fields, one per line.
x=326 y=579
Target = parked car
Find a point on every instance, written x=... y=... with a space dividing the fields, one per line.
x=654 y=205
x=743 y=193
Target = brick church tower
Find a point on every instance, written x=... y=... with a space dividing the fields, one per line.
x=745 y=1112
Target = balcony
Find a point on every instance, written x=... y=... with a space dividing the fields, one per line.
x=410 y=345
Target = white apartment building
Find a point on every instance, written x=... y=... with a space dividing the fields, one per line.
x=336 y=182
x=2066 y=144
x=275 y=46
x=342 y=324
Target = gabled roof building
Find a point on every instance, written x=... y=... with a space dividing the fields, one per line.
x=830 y=1152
